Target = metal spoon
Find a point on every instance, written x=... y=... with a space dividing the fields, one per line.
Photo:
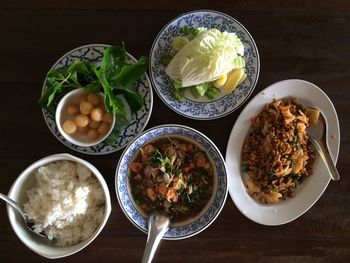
x=158 y=224
x=27 y=221
x=317 y=136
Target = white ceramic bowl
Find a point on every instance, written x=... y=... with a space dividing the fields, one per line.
x=72 y=97
x=38 y=244
x=209 y=213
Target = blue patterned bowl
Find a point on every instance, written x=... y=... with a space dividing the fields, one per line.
x=212 y=210
x=139 y=120
x=203 y=109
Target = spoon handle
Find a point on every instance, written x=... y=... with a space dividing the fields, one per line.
x=326 y=157
x=155 y=233
x=12 y=203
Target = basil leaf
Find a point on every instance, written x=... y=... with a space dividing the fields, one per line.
x=130 y=73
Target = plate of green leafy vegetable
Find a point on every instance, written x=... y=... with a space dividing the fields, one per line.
x=204 y=64
x=114 y=72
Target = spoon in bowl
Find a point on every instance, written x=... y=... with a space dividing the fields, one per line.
x=158 y=224
x=26 y=220
x=317 y=135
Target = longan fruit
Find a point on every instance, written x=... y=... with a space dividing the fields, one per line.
x=69 y=127
x=103 y=129
x=94 y=99
x=96 y=114
x=94 y=124
x=72 y=109
x=82 y=120
x=92 y=134
x=82 y=97
x=83 y=130
x=107 y=117
x=85 y=107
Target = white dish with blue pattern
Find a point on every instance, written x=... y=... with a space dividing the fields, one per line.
x=139 y=120
x=220 y=191
x=202 y=108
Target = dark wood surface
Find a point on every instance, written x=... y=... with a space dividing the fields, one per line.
x=296 y=39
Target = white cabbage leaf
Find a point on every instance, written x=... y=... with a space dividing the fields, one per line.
x=205 y=58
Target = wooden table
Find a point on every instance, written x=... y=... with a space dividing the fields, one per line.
x=302 y=39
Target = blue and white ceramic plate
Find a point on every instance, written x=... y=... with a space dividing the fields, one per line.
x=214 y=206
x=94 y=53
x=203 y=109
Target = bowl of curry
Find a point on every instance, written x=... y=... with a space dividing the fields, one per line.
x=174 y=169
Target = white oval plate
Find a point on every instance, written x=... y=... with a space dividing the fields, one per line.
x=202 y=108
x=309 y=95
x=139 y=120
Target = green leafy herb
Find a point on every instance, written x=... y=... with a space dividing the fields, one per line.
x=156 y=158
x=294 y=176
x=190 y=32
x=202 y=171
x=179 y=94
x=193 y=199
x=270 y=175
x=296 y=140
x=165 y=59
x=245 y=168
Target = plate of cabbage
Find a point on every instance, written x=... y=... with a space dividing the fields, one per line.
x=204 y=64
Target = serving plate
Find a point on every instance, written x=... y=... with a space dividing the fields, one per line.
x=214 y=206
x=203 y=109
x=309 y=95
x=139 y=120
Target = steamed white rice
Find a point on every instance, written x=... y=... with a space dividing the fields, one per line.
x=66 y=202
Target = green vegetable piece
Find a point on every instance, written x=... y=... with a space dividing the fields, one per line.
x=270 y=175
x=179 y=94
x=165 y=59
x=190 y=32
x=179 y=42
x=199 y=90
x=177 y=85
x=212 y=92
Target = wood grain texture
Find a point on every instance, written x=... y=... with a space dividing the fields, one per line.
x=296 y=39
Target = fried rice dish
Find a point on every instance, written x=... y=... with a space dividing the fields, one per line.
x=277 y=154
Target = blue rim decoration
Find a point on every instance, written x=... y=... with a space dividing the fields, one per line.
x=139 y=120
x=121 y=180
x=203 y=110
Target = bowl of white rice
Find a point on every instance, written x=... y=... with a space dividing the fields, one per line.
x=66 y=198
